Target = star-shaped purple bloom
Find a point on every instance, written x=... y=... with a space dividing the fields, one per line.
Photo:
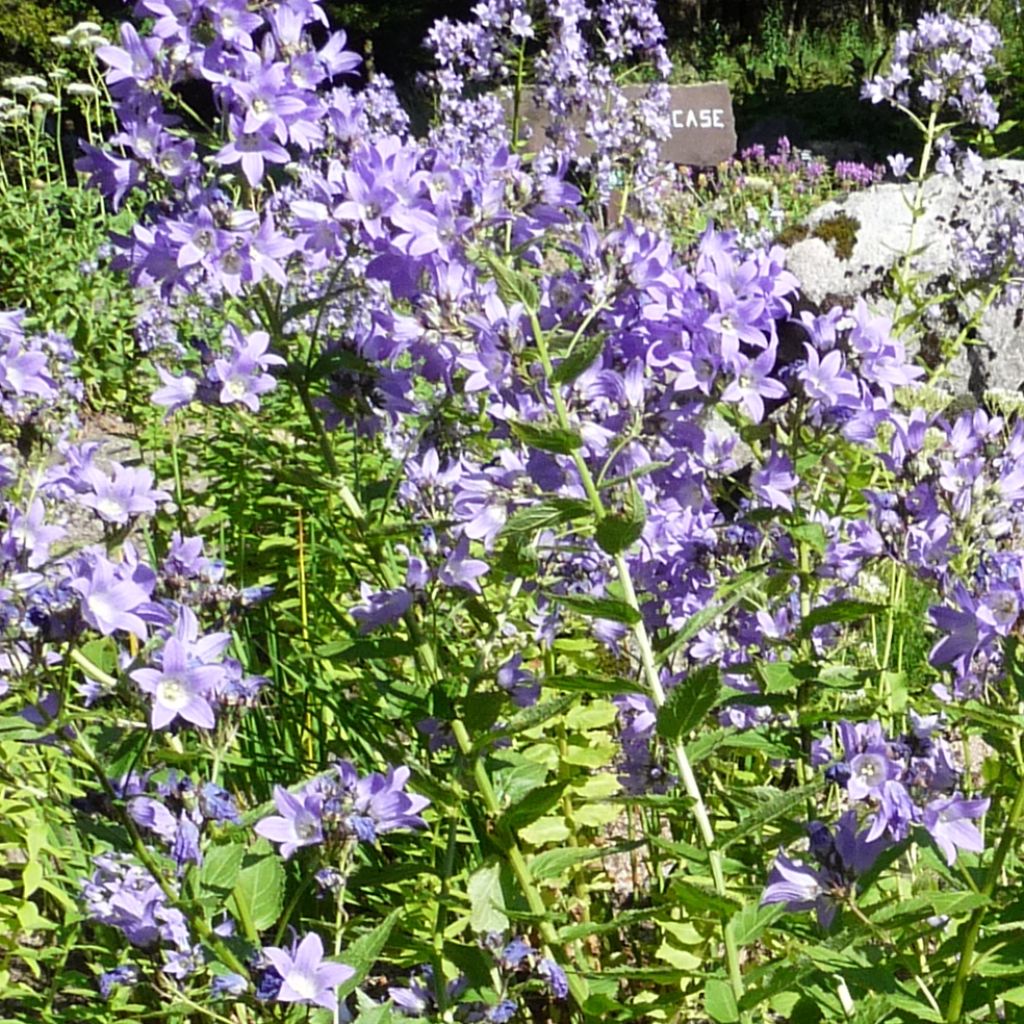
x=299 y=823
x=179 y=688
x=949 y=820
x=305 y=976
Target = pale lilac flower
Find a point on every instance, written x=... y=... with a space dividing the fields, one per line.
x=900 y=164
x=950 y=823
x=180 y=688
x=462 y=571
x=298 y=823
x=305 y=976
x=109 y=601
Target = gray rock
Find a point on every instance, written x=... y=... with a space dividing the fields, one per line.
x=994 y=357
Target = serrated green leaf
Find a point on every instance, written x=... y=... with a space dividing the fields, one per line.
x=513 y=285
x=555 y=863
x=579 y=358
x=530 y=718
x=812 y=534
x=258 y=895
x=547 y=437
x=750 y=921
x=725 y=598
x=838 y=611
x=698 y=898
x=486 y=900
x=783 y=804
x=364 y=952
x=593 y=684
x=598 y=607
x=534 y=805
x=778 y=677
x=545 y=516
x=688 y=702
x=221 y=866
x=619 y=531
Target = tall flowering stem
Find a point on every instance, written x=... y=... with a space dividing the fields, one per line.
x=517 y=862
x=1011 y=833
x=647 y=662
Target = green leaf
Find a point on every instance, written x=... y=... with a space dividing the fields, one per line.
x=777 y=807
x=529 y=718
x=258 y=895
x=555 y=863
x=619 y=531
x=750 y=921
x=547 y=437
x=518 y=781
x=486 y=900
x=719 y=1001
x=582 y=683
x=598 y=607
x=838 y=611
x=221 y=866
x=549 y=829
x=698 y=898
x=688 y=702
x=370 y=1012
x=365 y=951
x=812 y=534
x=354 y=651
x=595 y=815
x=533 y=806
x=726 y=597
x=545 y=516
x=579 y=358
x=594 y=715
x=513 y=285
x=777 y=677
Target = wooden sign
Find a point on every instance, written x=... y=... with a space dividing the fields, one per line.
x=701 y=119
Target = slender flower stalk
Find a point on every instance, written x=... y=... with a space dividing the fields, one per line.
x=650 y=671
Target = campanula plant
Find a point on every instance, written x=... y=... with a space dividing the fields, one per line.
x=516 y=617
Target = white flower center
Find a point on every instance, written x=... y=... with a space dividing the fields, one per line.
x=305 y=825
x=110 y=508
x=302 y=983
x=172 y=693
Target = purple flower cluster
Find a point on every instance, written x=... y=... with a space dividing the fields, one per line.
x=125 y=896
x=853 y=174
x=516 y=963
x=900 y=783
x=340 y=807
x=580 y=50
x=939 y=63
x=179 y=813
x=36 y=373
x=994 y=255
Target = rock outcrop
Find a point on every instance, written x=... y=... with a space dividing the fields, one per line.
x=878 y=222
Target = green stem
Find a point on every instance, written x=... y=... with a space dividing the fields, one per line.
x=149 y=862
x=650 y=673
x=917 y=207
x=965 y=966
x=517 y=862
